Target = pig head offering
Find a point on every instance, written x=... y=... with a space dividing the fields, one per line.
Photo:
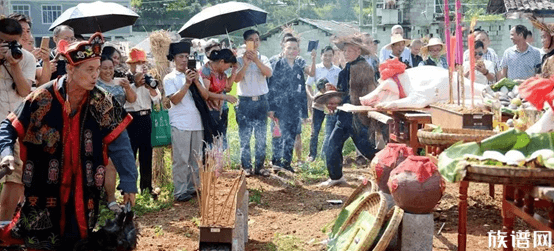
x=415 y=87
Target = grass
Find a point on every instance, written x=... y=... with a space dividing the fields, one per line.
x=255 y=196
x=286 y=242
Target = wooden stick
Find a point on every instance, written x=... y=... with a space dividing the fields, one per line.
x=231 y=211
x=227 y=198
x=462 y=80
x=229 y=195
x=450 y=89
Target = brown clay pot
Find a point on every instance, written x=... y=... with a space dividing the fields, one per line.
x=416 y=185
x=386 y=160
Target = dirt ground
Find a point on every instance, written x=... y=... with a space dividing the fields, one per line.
x=298 y=217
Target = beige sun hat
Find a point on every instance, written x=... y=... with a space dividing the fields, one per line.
x=355 y=39
x=396 y=38
x=432 y=42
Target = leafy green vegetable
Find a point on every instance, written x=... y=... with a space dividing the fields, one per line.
x=437 y=130
x=504 y=82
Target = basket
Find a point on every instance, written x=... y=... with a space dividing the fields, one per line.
x=449 y=136
x=370 y=186
x=373 y=205
x=508 y=175
x=392 y=221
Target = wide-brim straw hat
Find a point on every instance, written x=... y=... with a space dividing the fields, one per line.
x=355 y=40
x=432 y=42
x=397 y=38
x=323 y=98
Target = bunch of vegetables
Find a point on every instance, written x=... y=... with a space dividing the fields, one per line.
x=510 y=148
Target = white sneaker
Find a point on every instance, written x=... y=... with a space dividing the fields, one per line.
x=330 y=182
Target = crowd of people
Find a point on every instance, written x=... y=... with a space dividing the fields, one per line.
x=77 y=115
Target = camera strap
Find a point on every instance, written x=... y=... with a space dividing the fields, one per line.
x=5 y=67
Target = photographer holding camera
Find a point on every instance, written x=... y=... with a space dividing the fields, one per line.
x=140 y=128
x=17 y=72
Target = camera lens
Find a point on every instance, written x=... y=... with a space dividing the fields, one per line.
x=15 y=48
x=150 y=82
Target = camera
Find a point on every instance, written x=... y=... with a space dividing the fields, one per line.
x=15 y=48
x=150 y=81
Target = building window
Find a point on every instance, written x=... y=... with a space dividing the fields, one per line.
x=50 y=13
x=22 y=8
x=439 y=6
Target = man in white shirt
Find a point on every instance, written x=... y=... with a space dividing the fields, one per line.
x=484 y=72
x=16 y=77
x=386 y=52
x=253 y=106
x=187 y=128
x=488 y=52
x=140 y=129
x=324 y=70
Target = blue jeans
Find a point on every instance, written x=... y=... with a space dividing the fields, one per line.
x=329 y=126
x=347 y=126
x=121 y=154
x=252 y=116
x=317 y=120
x=284 y=145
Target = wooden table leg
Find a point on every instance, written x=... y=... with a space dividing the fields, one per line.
x=491 y=190
x=462 y=215
x=551 y=216
x=507 y=218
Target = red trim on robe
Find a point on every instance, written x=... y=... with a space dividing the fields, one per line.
x=20 y=134
x=71 y=176
x=113 y=135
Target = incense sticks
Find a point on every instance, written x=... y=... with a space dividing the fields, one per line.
x=211 y=164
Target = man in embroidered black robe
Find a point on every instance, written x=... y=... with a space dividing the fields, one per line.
x=64 y=129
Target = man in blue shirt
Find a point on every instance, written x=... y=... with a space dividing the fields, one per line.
x=287 y=96
x=520 y=61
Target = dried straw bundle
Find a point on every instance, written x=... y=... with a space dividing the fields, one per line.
x=159 y=44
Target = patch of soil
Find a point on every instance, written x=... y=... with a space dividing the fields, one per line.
x=302 y=211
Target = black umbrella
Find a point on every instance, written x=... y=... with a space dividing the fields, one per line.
x=222 y=18
x=99 y=16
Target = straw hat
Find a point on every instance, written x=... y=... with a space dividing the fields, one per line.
x=323 y=98
x=432 y=42
x=136 y=55
x=355 y=40
x=396 y=38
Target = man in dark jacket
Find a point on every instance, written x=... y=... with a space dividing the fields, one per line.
x=356 y=80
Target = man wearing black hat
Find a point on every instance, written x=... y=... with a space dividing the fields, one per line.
x=189 y=118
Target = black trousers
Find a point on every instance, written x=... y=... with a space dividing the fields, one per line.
x=140 y=131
